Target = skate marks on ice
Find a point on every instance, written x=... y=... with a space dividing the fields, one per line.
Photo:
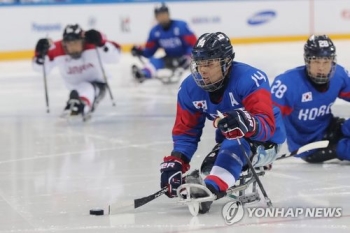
x=53 y=172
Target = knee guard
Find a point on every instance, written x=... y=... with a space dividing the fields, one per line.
x=209 y=160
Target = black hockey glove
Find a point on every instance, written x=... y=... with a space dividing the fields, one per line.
x=94 y=37
x=171 y=170
x=136 y=51
x=41 y=48
x=236 y=124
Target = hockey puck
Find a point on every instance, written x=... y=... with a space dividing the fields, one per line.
x=96 y=212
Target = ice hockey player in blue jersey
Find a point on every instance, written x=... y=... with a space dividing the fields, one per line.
x=174 y=36
x=239 y=91
x=305 y=95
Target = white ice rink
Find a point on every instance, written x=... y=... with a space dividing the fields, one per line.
x=52 y=172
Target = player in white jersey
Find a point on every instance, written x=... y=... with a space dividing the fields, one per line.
x=79 y=57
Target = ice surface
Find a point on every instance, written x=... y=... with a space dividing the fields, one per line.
x=52 y=172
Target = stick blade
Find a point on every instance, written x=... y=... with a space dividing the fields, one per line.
x=313 y=145
x=121 y=207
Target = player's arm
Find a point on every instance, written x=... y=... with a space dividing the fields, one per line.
x=186 y=135
x=345 y=90
x=151 y=46
x=188 y=126
x=257 y=120
x=258 y=103
x=188 y=38
x=281 y=96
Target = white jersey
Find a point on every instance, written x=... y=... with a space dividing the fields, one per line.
x=85 y=69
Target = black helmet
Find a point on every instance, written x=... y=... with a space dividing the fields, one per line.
x=319 y=46
x=72 y=32
x=212 y=46
x=161 y=9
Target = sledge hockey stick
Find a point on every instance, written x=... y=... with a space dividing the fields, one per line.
x=45 y=87
x=133 y=204
x=156 y=76
x=256 y=177
x=105 y=77
x=141 y=60
x=307 y=147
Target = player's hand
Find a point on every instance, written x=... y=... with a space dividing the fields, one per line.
x=94 y=37
x=136 y=51
x=41 y=48
x=171 y=170
x=236 y=124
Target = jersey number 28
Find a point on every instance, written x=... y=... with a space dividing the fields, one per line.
x=278 y=89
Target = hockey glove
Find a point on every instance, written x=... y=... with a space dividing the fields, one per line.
x=42 y=47
x=171 y=174
x=94 y=37
x=136 y=51
x=236 y=124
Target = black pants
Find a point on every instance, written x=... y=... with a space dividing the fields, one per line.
x=333 y=134
x=101 y=87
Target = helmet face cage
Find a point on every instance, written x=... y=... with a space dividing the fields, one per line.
x=72 y=33
x=320 y=47
x=209 y=86
x=211 y=47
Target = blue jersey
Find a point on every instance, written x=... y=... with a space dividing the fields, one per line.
x=178 y=40
x=306 y=111
x=247 y=88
